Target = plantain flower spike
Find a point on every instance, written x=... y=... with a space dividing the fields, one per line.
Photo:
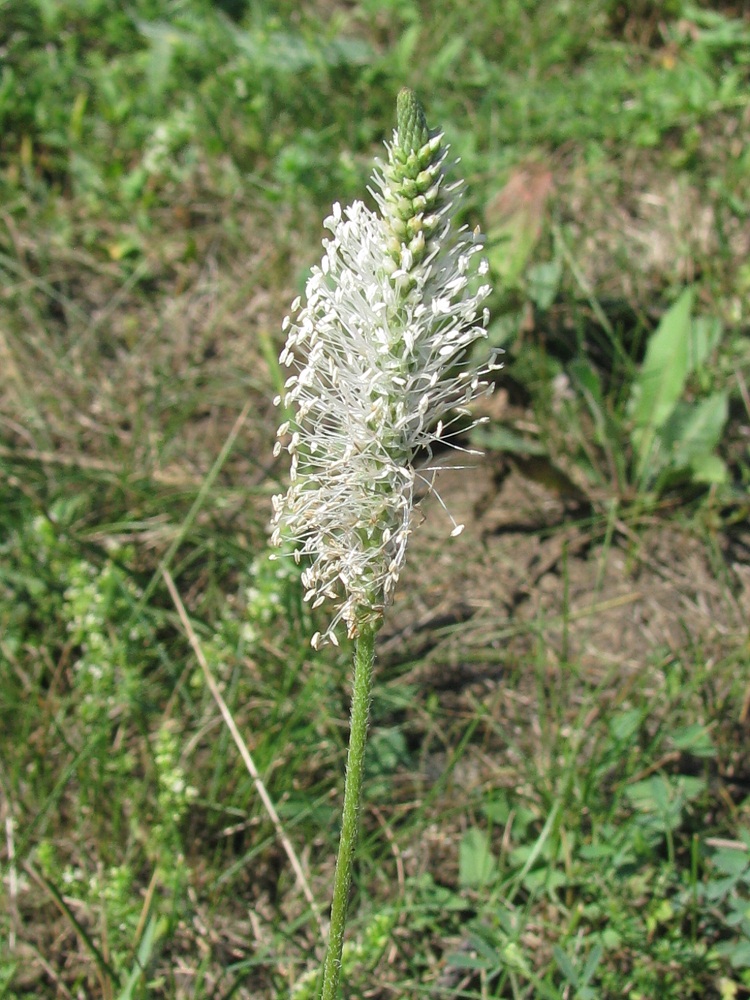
x=382 y=364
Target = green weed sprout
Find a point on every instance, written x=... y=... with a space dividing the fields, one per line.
x=383 y=366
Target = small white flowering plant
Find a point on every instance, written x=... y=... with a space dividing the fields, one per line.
x=382 y=356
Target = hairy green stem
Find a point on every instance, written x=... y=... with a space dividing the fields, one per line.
x=364 y=657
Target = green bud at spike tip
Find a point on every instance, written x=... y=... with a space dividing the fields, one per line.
x=414 y=200
x=410 y=121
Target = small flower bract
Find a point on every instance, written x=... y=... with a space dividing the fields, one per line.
x=381 y=353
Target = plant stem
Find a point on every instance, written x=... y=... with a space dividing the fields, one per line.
x=364 y=657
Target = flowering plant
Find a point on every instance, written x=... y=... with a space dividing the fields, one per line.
x=381 y=352
x=382 y=364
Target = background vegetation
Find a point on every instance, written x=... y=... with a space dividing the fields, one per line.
x=557 y=804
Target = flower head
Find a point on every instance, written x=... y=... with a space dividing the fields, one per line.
x=381 y=358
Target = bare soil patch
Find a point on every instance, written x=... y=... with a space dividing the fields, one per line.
x=533 y=565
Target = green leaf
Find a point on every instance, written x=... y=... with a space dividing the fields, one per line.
x=543 y=283
x=156 y=928
x=732 y=862
x=565 y=966
x=625 y=725
x=738 y=953
x=497 y=438
x=387 y=749
x=661 y=380
x=592 y=963
x=706 y=333
x=695 y=429
x=709 y=470
x=476 y=863
x=661 y=800
x=694 y=739
x=587 y=378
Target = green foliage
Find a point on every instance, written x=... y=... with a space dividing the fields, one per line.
x=727 y=889
x=127 y=102
x=661 y=425
x=671 y=436
x=615 y=890
x=476 y=864
x=164 y=167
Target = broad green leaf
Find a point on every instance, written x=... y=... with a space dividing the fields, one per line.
x=731 y=862
x=660 y=382
x=543 y=283
x=665 y=368
x=689 y=787
x=695 y=429
x=476 y=862
x=738 y=953
x=662 y=799
x=705 y=335
x=709 y=470
x=694 y=739
x=624 y=726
